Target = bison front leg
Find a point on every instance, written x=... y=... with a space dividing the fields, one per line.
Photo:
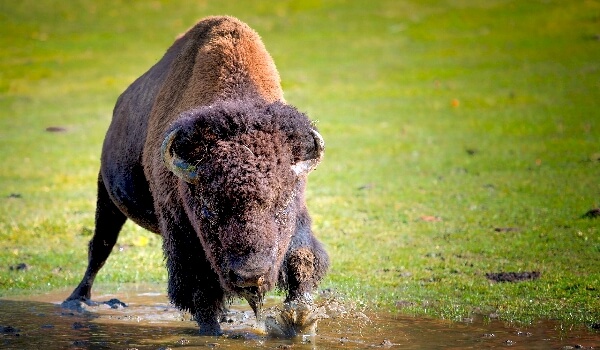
x=305 y=267
x=207 y=308
x=193 y=285
x=306 y=262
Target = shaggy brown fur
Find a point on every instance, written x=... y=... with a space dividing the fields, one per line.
x=230 y=202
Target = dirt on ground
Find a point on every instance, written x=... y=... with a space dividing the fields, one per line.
x=513 y=276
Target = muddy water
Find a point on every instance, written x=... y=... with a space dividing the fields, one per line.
x=150 y=322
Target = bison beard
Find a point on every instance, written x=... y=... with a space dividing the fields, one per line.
x=203 y=150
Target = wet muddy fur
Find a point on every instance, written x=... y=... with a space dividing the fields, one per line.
x=242 y=228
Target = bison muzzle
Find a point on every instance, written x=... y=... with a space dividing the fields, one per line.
x=203 y=150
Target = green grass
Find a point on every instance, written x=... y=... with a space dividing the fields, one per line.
x=481 y=116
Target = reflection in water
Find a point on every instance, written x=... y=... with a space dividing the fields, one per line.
x=150 y=322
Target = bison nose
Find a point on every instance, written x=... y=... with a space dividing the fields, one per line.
x=244 y=281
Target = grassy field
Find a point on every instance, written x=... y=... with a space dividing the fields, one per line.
x=462 y=139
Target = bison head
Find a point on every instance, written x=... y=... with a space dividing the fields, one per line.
x=243 y=168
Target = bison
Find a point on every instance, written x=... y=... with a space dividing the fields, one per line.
x=203 y=150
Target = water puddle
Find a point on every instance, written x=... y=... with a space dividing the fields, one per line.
x=150 y=322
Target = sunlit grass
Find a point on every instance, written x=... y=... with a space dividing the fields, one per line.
x=443 y=121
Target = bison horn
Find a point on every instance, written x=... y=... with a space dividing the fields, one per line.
x=306 y=166
x=183 y=169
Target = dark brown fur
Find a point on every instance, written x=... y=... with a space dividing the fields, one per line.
x=243 y=228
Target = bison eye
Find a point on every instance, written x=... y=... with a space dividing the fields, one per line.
x=208 y=214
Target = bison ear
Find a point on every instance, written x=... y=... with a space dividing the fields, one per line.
x=315 y=155
x=183 y=169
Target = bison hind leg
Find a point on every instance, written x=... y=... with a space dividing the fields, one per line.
x=109 y=221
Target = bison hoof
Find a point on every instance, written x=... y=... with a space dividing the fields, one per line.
x=210 y=332
x=210 y=329
x=114 y=303
x=82 y=304
x=79 y=305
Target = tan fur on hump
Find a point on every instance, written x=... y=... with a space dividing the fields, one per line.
x=218 y=58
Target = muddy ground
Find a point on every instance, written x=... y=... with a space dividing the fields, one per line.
x=150 y=322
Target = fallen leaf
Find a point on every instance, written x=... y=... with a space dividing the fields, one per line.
x=56 y=129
